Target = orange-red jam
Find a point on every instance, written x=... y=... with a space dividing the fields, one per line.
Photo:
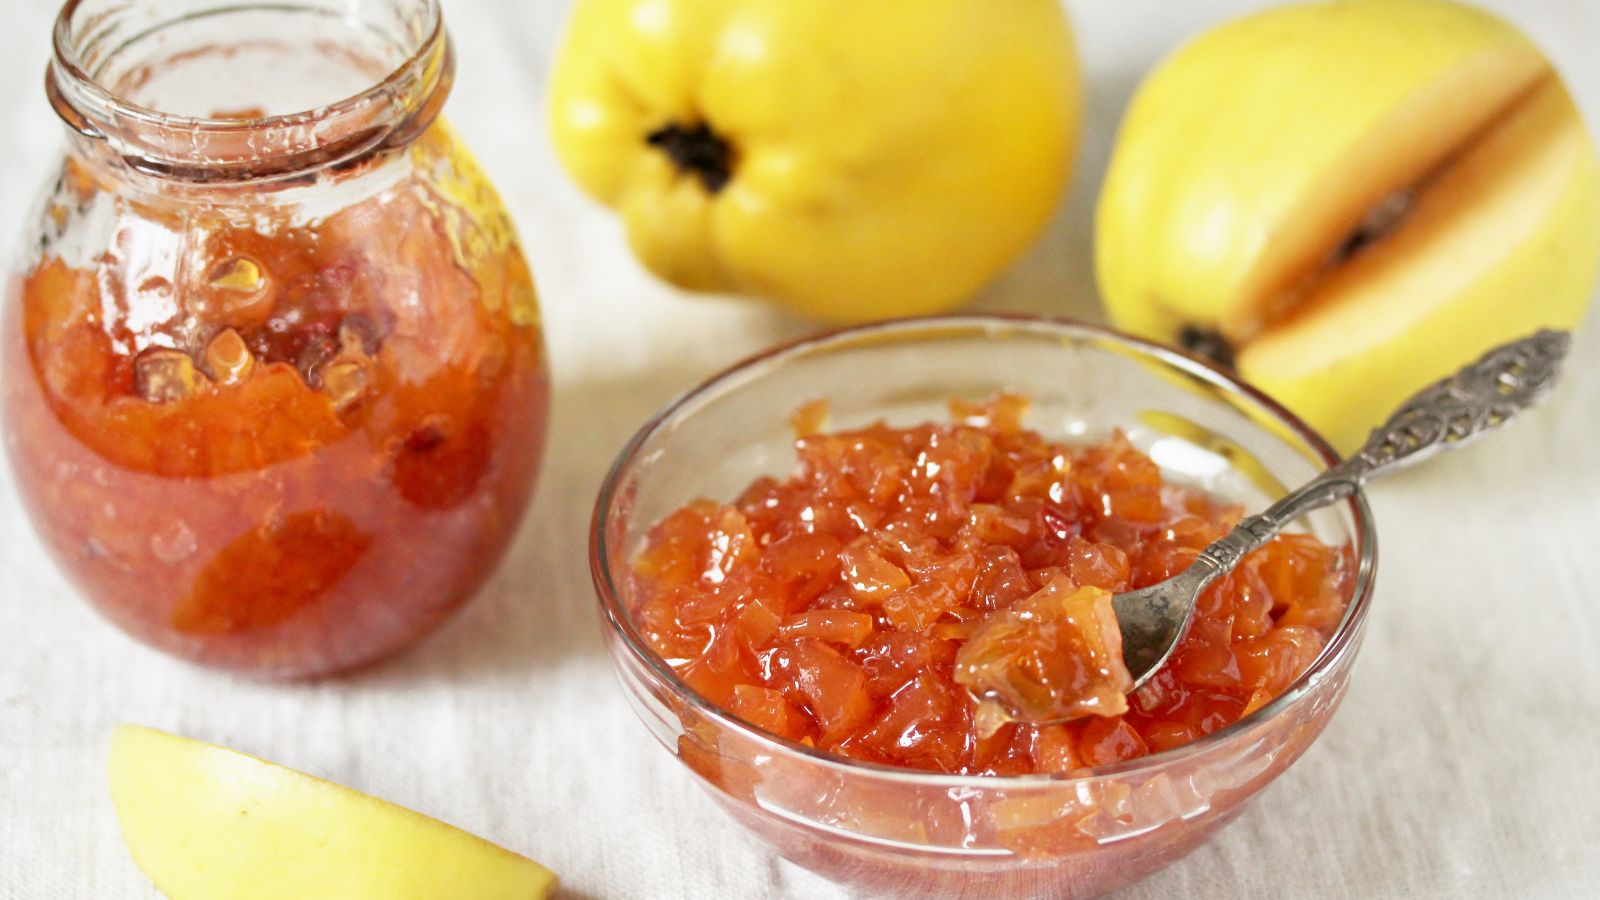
x=851 y=605
x=274 y=438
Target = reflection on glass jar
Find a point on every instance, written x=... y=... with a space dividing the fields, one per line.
x=275 y=389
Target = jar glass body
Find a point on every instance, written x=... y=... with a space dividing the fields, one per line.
x=276 y=410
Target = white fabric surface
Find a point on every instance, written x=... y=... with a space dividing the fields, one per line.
x=1463 y=763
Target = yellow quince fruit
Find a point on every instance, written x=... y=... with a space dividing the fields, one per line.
x=1349 y=200
x=848 y=160
x=208 y=823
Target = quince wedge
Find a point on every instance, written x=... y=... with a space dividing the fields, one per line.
x=1348 y=200
x=206 y=822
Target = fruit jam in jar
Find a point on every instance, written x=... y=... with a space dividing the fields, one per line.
x=274 y=383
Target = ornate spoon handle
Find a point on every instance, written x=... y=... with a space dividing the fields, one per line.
x=1475 y=400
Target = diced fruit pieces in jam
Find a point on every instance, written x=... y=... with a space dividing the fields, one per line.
x=1055 y=655
x=271 y=573
x=162 y=375
x=840 y=626
x=766 y=708
x=834 y=688
x=229 y=358
x=1274 y=661
x=871 y=578
x=810 y=418
x=1106 y=741
x=853 y=605
x=923 y=725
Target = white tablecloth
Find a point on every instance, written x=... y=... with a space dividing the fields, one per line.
x=1464 y=761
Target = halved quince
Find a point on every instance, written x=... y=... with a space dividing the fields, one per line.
x=206 y=822
x=1350 y=199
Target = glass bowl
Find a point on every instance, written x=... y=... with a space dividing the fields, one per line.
x=901 y=831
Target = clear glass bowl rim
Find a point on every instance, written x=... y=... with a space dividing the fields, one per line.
x=1341 y=644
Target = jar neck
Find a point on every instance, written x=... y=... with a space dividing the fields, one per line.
x=185 y=91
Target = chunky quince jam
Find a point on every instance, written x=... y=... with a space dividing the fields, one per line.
x=270 y=439
x=859 y=605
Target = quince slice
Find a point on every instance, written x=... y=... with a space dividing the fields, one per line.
x=206 y=822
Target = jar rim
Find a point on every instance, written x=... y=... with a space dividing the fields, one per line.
x=391 y=112
x=617 y=620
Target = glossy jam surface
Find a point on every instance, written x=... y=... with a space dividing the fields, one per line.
x=851 y=605
x=283 y=433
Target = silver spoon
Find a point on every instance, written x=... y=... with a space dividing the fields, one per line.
x=1475 y=400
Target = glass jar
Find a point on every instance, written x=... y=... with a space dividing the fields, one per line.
x=274 y=382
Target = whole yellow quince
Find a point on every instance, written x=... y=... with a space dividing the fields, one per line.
x=1350 y=199
x=849 y=160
